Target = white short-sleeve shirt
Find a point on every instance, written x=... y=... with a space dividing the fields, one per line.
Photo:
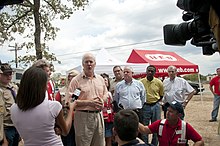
x=176 y=89
x=36 y=126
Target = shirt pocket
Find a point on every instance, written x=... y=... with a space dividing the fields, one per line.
x=99 y=89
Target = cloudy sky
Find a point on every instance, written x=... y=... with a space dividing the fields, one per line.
x=120 y=26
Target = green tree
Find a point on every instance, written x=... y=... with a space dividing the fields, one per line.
x=29 y=25
x=194 y=77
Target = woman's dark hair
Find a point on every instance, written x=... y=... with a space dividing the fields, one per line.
x=104 y=75
x=32 y=88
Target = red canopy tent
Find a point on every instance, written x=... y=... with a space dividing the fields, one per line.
x=161 y=60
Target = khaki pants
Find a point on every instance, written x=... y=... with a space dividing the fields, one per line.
x=89 y=129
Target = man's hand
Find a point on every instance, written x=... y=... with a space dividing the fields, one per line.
x=98 y=103
x=58 y=131
x=184 y=104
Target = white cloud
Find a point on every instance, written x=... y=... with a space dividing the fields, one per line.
x=108 y=23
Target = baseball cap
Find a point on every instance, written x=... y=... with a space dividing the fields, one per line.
x=6 y=68
x=73 y=73
x=176 y=106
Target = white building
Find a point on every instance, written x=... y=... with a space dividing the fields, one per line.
x=16 y=78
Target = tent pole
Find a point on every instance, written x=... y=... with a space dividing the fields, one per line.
x=200 y=88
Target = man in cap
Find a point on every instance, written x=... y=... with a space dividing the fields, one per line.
x=8 y=93
x=172 y=131
x=3 y=139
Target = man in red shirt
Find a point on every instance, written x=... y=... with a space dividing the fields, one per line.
x=216 y=92
x=172 y=131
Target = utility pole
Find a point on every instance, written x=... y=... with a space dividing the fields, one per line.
x=16 y=48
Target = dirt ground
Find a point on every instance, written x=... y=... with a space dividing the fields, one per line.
x=198 y=115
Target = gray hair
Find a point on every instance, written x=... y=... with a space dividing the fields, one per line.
x=172 y=67
x=88 y=55
x=129 y=67
x=41 y=63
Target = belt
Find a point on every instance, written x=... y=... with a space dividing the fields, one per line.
x=151 y=104
x=87 y=111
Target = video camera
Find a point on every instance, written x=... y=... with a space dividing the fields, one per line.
x=9 y=2
x=196 y=26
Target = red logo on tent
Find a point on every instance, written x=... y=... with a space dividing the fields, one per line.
x=160 y=57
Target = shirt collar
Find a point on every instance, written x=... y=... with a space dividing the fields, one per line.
x=148 y=80
x=173 y=79
x=175 y=126
x=131 y=143
x=129 y=82
x=5 y=86
x=85 y=77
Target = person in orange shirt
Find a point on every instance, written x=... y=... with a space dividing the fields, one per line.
x=88 y=119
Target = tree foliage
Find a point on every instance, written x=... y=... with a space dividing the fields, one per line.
x=194 y=77
x=30 y=25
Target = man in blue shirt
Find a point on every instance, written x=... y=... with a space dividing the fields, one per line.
x=130 y=93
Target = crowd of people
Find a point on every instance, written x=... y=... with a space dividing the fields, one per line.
x=92 y=110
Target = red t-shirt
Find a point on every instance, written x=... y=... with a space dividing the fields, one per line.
x=108 y=113
x=169 y=136
x=50 y=90
x=58 y=97
x=216 y=83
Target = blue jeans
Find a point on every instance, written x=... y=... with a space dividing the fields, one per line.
x=216 y=103
x=69 y=140
x=12 y=135
x=151 y=113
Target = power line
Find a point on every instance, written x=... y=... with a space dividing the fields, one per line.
x=115 y=52
x=125 y=45
x=134 y=44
